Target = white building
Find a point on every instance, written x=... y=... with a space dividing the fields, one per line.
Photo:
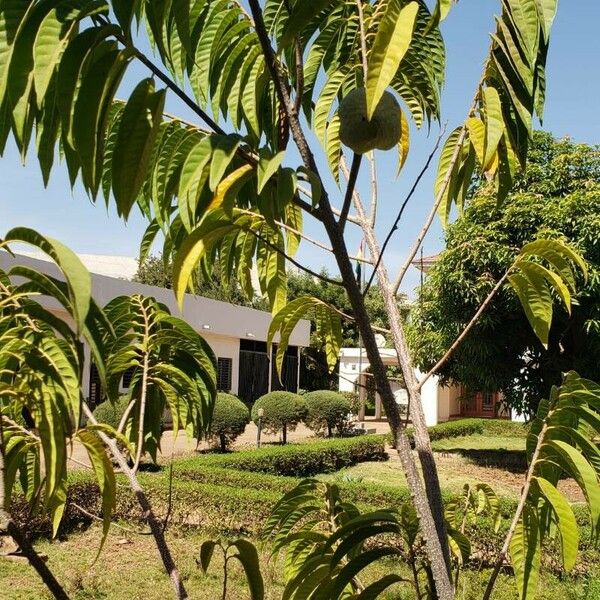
x=237 y=335
x=440 y=403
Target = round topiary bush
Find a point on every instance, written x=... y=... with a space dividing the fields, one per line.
x=326 y=411
x=110 y=413
x=282 y=412
x=230 y=417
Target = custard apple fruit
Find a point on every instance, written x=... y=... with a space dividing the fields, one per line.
x=360 y=135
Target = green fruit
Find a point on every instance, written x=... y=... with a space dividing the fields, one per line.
x=361 y=135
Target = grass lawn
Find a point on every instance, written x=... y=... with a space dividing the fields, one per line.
x=479 y=442
x=129 y=568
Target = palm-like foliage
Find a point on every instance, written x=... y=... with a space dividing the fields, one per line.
x=171 y=367
x=328 y=543
x=41 y=365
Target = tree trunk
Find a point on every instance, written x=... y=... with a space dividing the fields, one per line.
x=285 y=434
x=223 y=442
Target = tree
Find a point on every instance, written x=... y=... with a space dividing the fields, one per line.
x=557 y=196
x=153 y=271
x=316 y=373
x=232 y=194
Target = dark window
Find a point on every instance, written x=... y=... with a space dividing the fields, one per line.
x=253 y=381
x=95 y=391
x=224 y=370
x=127 y=377
x=289 y=371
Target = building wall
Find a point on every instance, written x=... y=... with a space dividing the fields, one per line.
x=226 y=347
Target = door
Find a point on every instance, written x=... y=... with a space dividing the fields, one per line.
x=253 y=379
x=479 y=404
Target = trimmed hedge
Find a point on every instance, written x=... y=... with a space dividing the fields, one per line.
x=229 y=420
x=326 y=411
x=241 y=502
x=463 y=427
x=282 y=412
x=472 y=426
x=298 y=460
x=110 y=413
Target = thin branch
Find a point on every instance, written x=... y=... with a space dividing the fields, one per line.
x=440 y=363
x=401 y=211
x=149 y=516
x=305 y=237
x=87 y=513
x=15 y=425
x=374 y=191
x=354 y=170
x=518 y=512
x=293 y=261
x=125 y=415
x=445 y=182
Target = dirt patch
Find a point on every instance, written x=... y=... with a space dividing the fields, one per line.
x=455 y=471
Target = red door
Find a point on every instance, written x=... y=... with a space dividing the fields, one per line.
x=479 y=404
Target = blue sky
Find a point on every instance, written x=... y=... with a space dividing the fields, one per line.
x=571 y=109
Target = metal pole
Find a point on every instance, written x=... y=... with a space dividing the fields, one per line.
x=259 y=426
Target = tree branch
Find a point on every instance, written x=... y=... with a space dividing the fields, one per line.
x=401 y=212
x=518 y=512
x=374 y=194
x=152 y=520
x=354 y=170
x=305 y=237
x=440 y=363
x=290 y=259
x=437 y=544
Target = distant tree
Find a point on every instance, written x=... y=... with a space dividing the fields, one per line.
x=558 y=196
x=316 y=374
x=153 y=270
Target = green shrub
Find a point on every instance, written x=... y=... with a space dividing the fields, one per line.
x=298 y=460
x=282 y=412
x=326 y=411
x=230 y=417
x=110 y=413
x=492 y=427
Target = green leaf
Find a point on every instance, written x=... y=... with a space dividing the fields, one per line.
x=392 y=40
x=376 y=589
x=135 y=141
x=302 y=14
x=76 y=275
x=105 y=476
x=404 y=143
x=577 y=467
x=494 y=124
x=267 y=167
x=228 y=188
x=525 y=553
x=460 y=546
x=536 y=300
x=50 y=42
x=334 y=147
x=196 y=245
x=476 y=130
x=206 y=553
x=446 y=157
x=565 y=518
x=248 y=556
x=224 y=149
